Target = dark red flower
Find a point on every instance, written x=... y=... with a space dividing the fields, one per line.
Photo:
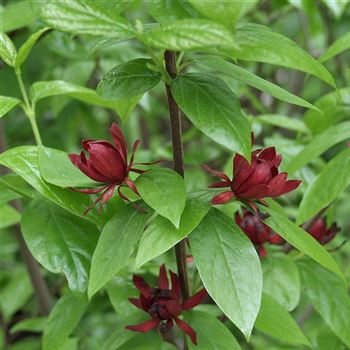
x=258 y=232
x=163 y=304
x=320 y=231
x=107 y=164
x=253 y=181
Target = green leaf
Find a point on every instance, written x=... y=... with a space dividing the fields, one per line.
x=340 y=45
x=63 y=318
x=24 y=161
x=318 y=145
x=281 y=280
x=329 y=297
x=212 y=334
x=35 y=324
x=281 y=121
x=163 y=190
x=125 y=107
x=7 y=195
x=15 y=294
x=115 y=245
x=161 y=235
x=274 y=320
x=8 y=51
x=253 y=80
x=57 y=169
x=60 y=241
x=190 y=34
x=298 y=238
x=229 y=268
x=326 y=186
x=128 y=79
x=27 y=47
x=260 y=44
x=43 y=89
x=214 y=109
x=86 y=17
x=226 y=12
x=7 y=103
x=8 y=216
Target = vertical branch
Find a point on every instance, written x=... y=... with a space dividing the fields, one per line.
x=176 y=135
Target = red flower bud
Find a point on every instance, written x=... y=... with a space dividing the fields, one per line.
x=320 y=231
x=253 y=181
x=107 y=164
x=258 y=232
x=163 y=304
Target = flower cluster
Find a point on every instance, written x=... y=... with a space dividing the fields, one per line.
x=321 y=232
x=258 y=232
x=253 y=181
x=163 y=304
x=107 y=164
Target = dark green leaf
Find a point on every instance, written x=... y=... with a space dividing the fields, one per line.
x=26 y=48
x=86 y=17
x=281 y=280
x=298 y=238
x=163 y=190
x=274 y=320
x=63 y=318
x=60 y=241
x=161 y=235
x=57 y=169
x=35 y=324
x=258 y=43
x=229 y=268
x=214 y=109
x=318 y=145
x=7 y=103
x=329 y=296
x=189 y=34
x=24 y=161
x=326 y=186
x=128 y=79
x=212 y=334
x=115 y=245
x=8 y=51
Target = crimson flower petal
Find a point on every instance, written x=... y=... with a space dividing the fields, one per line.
x=260 y=176
x=173 y=307
x=222 y=198
x=142 y=286
x=220 y=184
x=261 y=251
x=194 y=300
x=89 y=190
x=187 y=329
x=289 y=186
x=119 y=140
x=257 y=191
x=131 y=185
x=144 y=326
x=175 y=284
x=136 y=145
x=215 y=173
x=107 y=196
x=136 y=302
x=268 y=154
x=163 y=282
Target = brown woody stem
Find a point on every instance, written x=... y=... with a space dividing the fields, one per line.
x=176 y=135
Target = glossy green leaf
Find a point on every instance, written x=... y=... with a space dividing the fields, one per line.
x=163 y=190
x=274 y=320
x=335 y=107
x=161 y=235
x=125 y=107
x=189 y=34
x=246 y=77
x=115 y=245
x=326 y=186
x=24 y=161
x=8 y=216
x=298 y=238
x=35 y=324
x=7 y=195
x=281 y=121
x=214 y=109
x=86 y=17
x=7 y=50
x=128 y=79
x=60 y=241
x=16 y=184
x=329 y=297
x=281 y=280
x=260 y=44
x=63 y=318
x=318 y=145
x=229 y=268
x=212 y=334
x=15 y=293
x=7 y=103
x=27 y=47
x=57 y=169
